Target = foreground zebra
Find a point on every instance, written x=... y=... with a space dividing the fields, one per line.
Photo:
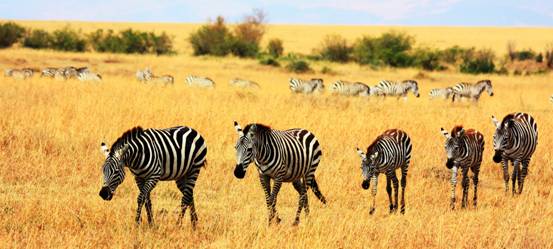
x=306 y=86
x=389 y=151
x=242 y=83
x=444 y=93
x=19 y=74
x=193 y=80
x=472 y=91
x=284 y=156
x=398 y=89
x=350 y=89
x=154 y=155
x=515 y=139
x=464 y=150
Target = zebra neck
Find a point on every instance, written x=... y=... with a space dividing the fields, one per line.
x=264 y=149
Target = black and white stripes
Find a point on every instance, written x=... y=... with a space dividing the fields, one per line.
x=306 y=86
x=388 y=152
x=283 y=156
x=472 y=91
x=515 y=139
x=350 y=89
x=398 y=89
x=153 y=155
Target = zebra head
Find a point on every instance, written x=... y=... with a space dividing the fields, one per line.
x=114 y=173
x=501 y=137
x=368 y=166
x=318 y=84
x=244 y=150
x=414 y=86
x=453 y=145
x=487 y=86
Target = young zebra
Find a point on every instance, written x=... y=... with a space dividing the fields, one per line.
x=399 y=89
x=48 y=72
x=306 y=86
x=472 y=91
x=242 y=83
x=284 y=156
x=152 y=155
x=515 y=139
x=350 y=89
x=464 y=150
x=200 y=81
x=441 y=93
x=389 y=151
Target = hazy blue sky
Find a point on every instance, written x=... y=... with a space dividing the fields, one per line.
x=369 y=12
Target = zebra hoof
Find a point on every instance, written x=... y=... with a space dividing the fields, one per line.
x=371 y=212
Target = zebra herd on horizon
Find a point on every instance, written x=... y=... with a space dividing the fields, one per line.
x=463 y=90
x=293 y=155
x=62 y=73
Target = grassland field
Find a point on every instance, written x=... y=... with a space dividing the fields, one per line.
x=50 y=164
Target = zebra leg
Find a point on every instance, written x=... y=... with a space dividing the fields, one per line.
x=273 y=199
x=374 y=182
x=389 y=191
x=475 y=172
x=396 y=190
x=465 y=185
x=403 y=185
x=140 y=183
x=523 y=174
x=147 y=186
x=506 y=174
x=302 y=191
x=186 y=187
x=266 y=184
x=453 y=182
x=516 y=169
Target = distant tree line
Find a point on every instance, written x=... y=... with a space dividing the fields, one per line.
x=67 y=39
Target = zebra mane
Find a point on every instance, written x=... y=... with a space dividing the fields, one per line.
x=132 y=133
x=507 y=119
x=259 y=128
x=487 y=82
x=455 y=130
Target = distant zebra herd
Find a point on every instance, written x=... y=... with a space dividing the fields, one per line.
x=293 y=155
x=62 y=73
x=463 y=90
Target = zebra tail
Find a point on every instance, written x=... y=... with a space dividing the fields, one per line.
x=317 y=191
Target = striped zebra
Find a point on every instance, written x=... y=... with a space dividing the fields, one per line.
x=399 y=89
x=143 y=75
x=148 y=76
x=306 y=86
x=472 y=91
x=284 y=156
x=515 y=139
x=350 y=89
x=152 y=155
x=551 y=99
x=444 y=93
x=89 y=76
x=193 y=80
x=65 y=73
x=464 y=150
x=242 y=83
x=19 y=74
x=48 y=72
x=389 y=151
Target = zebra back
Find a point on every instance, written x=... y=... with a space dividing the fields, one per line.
x=464 y=146
x=392 y=149
x=516 y=136
x=243 y=83
x=193 y=80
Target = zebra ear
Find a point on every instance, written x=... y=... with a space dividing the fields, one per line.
x=461 y=132
x=495 y=122
x=238 y=129
x=104 y=149
x=361 y=153
x=445 y=133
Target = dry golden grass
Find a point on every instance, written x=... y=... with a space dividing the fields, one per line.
x=50 y=162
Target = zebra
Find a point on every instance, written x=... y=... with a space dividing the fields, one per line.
x=551 y=99
x=350 y=89
x=306 y=86
x=193 y=80
x=389 y=151
x=472 y=91
x=399 y=89
x=19 y=74
x=152 y=155
x=515 y=139
x=89 y=76
x=444 y=93
x=242 y=83
x=48 y=72
x=284 y=156
x=464 y=150
x=143 y=76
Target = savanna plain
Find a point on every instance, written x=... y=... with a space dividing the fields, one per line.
x=50 y=162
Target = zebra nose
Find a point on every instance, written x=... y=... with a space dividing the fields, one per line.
x=106 y=194
x=365 y=184
x=239 y=171
x=497 y=156
x=449 y=163
x=491 y=94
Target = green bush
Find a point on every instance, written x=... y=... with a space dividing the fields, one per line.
x=275 y=48
x=269 y=61
x=106 y=41
x=524 y=55
x=335 y=48
x=539 y=58
x=67 y=39
x=38 y=39
x=10 y=33
x=298 y=66
x=328 y=70
x=427 y=59
x=163 y=44
x=391 y=49
x=480 y=61
x=130 y=41
x=211 y=39
x=453 y=55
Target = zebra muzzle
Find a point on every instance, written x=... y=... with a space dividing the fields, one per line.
x=450 y=162
x=239 y=171
x=497 y=156
x=106 y=193
x=365 y=184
